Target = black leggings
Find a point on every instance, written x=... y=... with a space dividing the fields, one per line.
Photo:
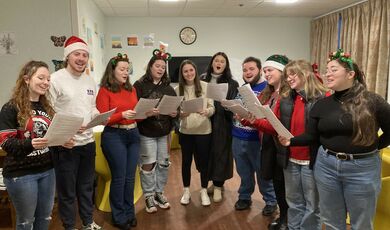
x=280 y=192
x=197 y=146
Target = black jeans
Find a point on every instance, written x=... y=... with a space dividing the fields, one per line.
x=75 y=172
x=197 y=146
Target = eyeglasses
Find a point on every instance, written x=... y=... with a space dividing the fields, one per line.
x=292 y=75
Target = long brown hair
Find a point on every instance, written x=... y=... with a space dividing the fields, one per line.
x=358 y=104
x=182 y=81
x=109 y=81
x=147 y=77
x=313 y=87
x=21 y=95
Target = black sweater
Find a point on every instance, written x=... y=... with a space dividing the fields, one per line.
x=332 y=126
x=155 y=126
x=22 y=159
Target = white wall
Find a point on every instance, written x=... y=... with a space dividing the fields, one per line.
x=237 y=37
x=91 y=15
x=33 y=22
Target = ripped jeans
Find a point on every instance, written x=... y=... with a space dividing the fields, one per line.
x=154 y=150
x=33 y=198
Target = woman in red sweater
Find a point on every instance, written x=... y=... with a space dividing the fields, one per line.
x=293 y=110
x=120 y=138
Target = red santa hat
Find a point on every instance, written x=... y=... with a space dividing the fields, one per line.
x=74 y=43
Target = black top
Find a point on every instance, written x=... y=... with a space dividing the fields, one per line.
x=155 y=126
x=22 y=159
x=332 y=126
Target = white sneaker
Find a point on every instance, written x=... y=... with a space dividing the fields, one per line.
x=185 y=199
x=204 y=197
x=217 y=196
x=92 y=226
x=210 y=190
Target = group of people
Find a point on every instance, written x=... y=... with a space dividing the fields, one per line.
x=330 y=167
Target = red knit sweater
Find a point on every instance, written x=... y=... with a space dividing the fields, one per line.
x=122 y=101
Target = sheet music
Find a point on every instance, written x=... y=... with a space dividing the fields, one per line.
x=274 y=121
x=144 y=105
x=169 y=104
x=100 y=119
x=228 y=103
x=250 y=101
x=62 y=128
x=248 y=96
x=217 y=92
x=239 y=110
x=193 y=106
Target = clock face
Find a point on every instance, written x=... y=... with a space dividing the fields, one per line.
x=187 y=35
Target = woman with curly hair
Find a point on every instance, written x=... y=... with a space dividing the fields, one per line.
x=28 y=169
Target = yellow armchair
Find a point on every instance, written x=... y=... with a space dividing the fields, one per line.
x=385 y=153
x=382 y=217
x=102 y=169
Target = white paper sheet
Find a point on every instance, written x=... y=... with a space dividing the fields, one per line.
x=144 y=105
x=248 y=96
x=239 y=110
x=100 y=119
x=274 y=121
x=62 y=128
x=217 y=92
x=193 y=106
x=250 y=101
x=228 y=103
x=169 y=104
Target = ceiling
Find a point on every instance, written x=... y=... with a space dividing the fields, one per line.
x=219 y=8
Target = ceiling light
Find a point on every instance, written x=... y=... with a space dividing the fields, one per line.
x=168 y=0
x=285 y=1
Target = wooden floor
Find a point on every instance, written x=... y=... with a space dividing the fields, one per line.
x=218 y=216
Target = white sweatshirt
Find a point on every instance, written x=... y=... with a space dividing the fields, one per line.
x=74 y=95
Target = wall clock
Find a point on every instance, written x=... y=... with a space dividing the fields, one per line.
x=187 y=35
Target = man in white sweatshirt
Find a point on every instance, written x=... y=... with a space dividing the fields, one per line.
x=74 y=93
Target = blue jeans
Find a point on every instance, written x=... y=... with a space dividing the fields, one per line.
x=247 y=157
x=33 y=198
x=121 y=149
x=302 y=197
x=154 y=150
x=352 y=186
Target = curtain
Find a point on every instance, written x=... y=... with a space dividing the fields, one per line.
x=365 y=32
x=323 y=39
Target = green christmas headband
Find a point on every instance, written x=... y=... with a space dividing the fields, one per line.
x=119 y=57
x=342 y=56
